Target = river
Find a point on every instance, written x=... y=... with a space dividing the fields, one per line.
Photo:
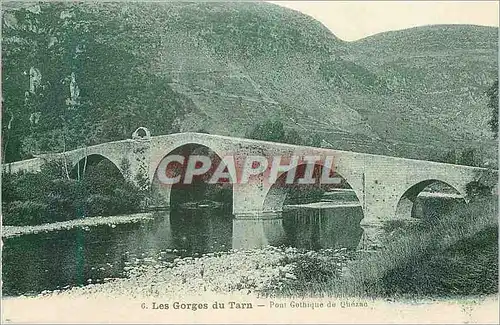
x=55 y=260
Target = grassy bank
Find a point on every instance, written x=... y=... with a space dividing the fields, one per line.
x=55 y=194
x=454 y=255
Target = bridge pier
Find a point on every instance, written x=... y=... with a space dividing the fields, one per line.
x=258 y=230
x=160 y=195
x=384 y=213
x=373 y=232
x=253 y=226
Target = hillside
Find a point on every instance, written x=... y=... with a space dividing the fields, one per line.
x=224 y=67
x=443 y=71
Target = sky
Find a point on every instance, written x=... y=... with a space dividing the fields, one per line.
x=352 y=20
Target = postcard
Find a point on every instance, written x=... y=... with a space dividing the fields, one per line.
x=250 y=162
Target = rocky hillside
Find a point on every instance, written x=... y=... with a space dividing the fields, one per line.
x=441 y=72
x=77 y=74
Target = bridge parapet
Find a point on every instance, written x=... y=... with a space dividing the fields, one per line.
x=29 y=165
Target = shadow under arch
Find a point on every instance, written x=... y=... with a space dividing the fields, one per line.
x=175 y=169
x=82 y=166
x=201 y=218
x=280 y=193
x=428 y=199
x=329 y=218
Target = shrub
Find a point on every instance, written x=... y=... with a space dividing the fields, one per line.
x=49 y=196
x=97 y=205
x=301 y=270
x=25 y=213
x=477 y=189
x=456 y=255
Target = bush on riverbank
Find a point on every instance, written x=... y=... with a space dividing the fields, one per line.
x=50 y=196
x=454 y=256
x=302 y=268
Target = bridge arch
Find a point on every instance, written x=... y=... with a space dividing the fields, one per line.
x=406 y=207
x=81 y=164
x=329 y=218
x=195 y=224
x=278 y=192
x=164 y=191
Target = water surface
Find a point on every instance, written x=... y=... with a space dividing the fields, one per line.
x=60 y=259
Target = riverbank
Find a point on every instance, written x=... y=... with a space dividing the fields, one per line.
x=186 y=290
x=255 y=272
x=454 y=255
x=451 y=262
x=245 y=278
x=227 y=287
x=12 y=231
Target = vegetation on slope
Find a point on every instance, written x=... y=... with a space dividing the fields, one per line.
x=431 y=67
x=454 y=255
x=275 y=131
x=50 y=196
x=77 y=74
x=69 y=80
x=493 y=105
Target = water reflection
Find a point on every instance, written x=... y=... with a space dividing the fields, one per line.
x=46 y=261
x=199 y=231
x=54 y=260
x=328 y=227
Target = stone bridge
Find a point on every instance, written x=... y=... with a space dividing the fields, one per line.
x=386 y=187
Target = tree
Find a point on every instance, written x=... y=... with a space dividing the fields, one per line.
x=293 y=137
x=268 y=131
x=493 y=105
x=274 y=131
